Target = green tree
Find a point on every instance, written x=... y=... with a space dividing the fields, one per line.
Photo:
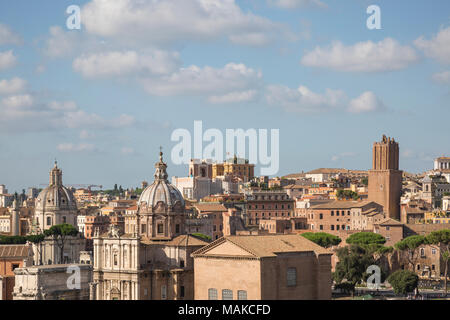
x=441 y=239
x=409 y=245
x=403 y=281
x=365 y=181
x=352 y=266
x=37 y=240
x=323 y=239
x=372 y=242
x=202 y=236
x=60 y=233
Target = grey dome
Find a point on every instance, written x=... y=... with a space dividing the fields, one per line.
x=55 y=196
x=160 y=190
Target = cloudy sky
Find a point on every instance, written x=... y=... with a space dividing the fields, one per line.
x=104 y=98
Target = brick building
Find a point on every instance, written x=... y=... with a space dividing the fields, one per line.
x=335 y=216
x=11 y=258
x=385 y=178
x=267 y=205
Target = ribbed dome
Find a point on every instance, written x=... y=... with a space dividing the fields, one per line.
x=160 y=189
x=55 y=196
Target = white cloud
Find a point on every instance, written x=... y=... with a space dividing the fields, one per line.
x=442 y=77
x=71 y=147
x=165 y=22
x=13 y=86
x=303 y=100
x=292 y=4
x=343 y=155
x=366 y=102
x=128 y=62
x=61 y=43
x=438 y=47
x=127 y=151
x=24 y=112
x=7 y=60
x=7 y=36
x=84 y=134
x=386 y=55
x=233 y=97
x=18 y=101
x=208 y=81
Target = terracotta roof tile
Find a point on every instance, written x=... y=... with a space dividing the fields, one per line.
x=14 y=251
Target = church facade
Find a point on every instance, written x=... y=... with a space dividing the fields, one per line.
x=151 y=260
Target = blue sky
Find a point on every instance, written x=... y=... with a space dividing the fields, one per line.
x=104 y=98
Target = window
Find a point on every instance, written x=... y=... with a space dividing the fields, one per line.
x=242 y=295
x=163 y=292
x=177 y=228
x=332 y=227
x=433 y=267
x=181 y=263
x=418 y=267
x=160 y=228
x=337 y=227
x=337 y=213
x=227 y=294
x=49 y=221
x=143 y=228
x=321 y=227
x=388 y=228
x=321 y=216
x=115 y=259
x=182 y=291
x=348 y=212
x=332 y=213
x=64 y=219
x=291 y=277
x=433 y=251
x=422 y=252
x=212 y=294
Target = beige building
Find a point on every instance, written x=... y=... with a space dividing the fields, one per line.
x=55 y=204
x=272 y=267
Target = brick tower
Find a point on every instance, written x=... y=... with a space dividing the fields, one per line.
x=385 y=179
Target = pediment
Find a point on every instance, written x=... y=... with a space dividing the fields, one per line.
x=227 y=248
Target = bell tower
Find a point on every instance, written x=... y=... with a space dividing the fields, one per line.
x=385 y=178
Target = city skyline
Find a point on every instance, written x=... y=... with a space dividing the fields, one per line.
x=281 y=65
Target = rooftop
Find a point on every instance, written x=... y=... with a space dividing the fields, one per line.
x=341 y=204
x=14 y=251
x=268 y=245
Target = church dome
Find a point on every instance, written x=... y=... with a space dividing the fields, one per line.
x=55 y=197
x=161 y=190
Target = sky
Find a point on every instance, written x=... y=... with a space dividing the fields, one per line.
x=102 y=99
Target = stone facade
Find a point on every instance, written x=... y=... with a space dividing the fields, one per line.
x=53 y=282
x=152 y=260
